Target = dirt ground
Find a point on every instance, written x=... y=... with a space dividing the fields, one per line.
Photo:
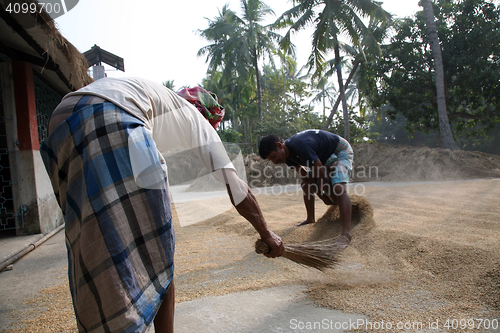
x=429 y=252
x=420 y=252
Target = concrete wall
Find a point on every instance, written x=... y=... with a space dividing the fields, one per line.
x=49 y=212
x=35 y=203
x=41 y=212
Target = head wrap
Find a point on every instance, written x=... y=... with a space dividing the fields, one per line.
x=206 y=102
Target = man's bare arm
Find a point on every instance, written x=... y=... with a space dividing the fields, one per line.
x=247 y=206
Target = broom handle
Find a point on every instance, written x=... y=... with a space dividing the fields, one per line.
x=261 y=247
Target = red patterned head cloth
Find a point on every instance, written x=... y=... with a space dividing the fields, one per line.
x=206 y=102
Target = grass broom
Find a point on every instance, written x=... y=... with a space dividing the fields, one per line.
x=319 y=255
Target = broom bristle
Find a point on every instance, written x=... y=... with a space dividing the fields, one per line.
x=320 y=255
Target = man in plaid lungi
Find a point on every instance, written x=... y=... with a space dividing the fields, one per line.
x=104 y=158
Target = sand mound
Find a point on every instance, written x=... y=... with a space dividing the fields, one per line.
x=330 y=226
x=261 y=172
x=322 y=232
x=489 y=284
x=404 y=163
x=379 y=162
x=327 y=226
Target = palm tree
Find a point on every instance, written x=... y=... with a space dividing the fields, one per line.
x=169 y=84
x=447 y=139
x=324 y=90
x=238 y=44
x=331 y=19
x=367 y=48
x=341 y=96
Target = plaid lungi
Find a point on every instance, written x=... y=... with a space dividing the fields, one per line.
x=119 y=235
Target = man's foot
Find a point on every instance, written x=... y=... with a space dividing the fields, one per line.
x=304 y=223
x=342 y=242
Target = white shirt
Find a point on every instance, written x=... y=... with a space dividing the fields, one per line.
x=172 y=121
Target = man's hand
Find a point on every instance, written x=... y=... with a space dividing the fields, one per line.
x=246 y=204
x=275 y=243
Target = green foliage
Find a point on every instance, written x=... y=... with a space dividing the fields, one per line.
x=230 y=135
x=393 y=131
x=489 y=144
x=359 y=126
x=285 y=103
x=283 y=128
x=286 y=127
x=169 y=84
x=306 y=119
x=331 y=19
x=283 y=94
x=404 y=78
x=239 y=43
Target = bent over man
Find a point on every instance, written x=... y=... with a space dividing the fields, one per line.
x=324 y=162
x=104 y=158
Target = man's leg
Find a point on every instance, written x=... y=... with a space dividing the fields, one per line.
x=308 y=196
x=345 y=209
x=164 y=320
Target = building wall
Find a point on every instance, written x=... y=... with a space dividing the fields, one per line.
x=49 y=212
x=35 y=205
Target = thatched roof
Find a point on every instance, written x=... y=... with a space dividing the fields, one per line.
x=35 y=39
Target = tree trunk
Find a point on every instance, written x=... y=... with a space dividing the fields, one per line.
x=259 y=89
x=342 y=93
x=234 y=120
x=337 y=102
x=324 y=102
x=444 y=124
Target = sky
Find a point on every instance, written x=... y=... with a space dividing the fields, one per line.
x=158 y=39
